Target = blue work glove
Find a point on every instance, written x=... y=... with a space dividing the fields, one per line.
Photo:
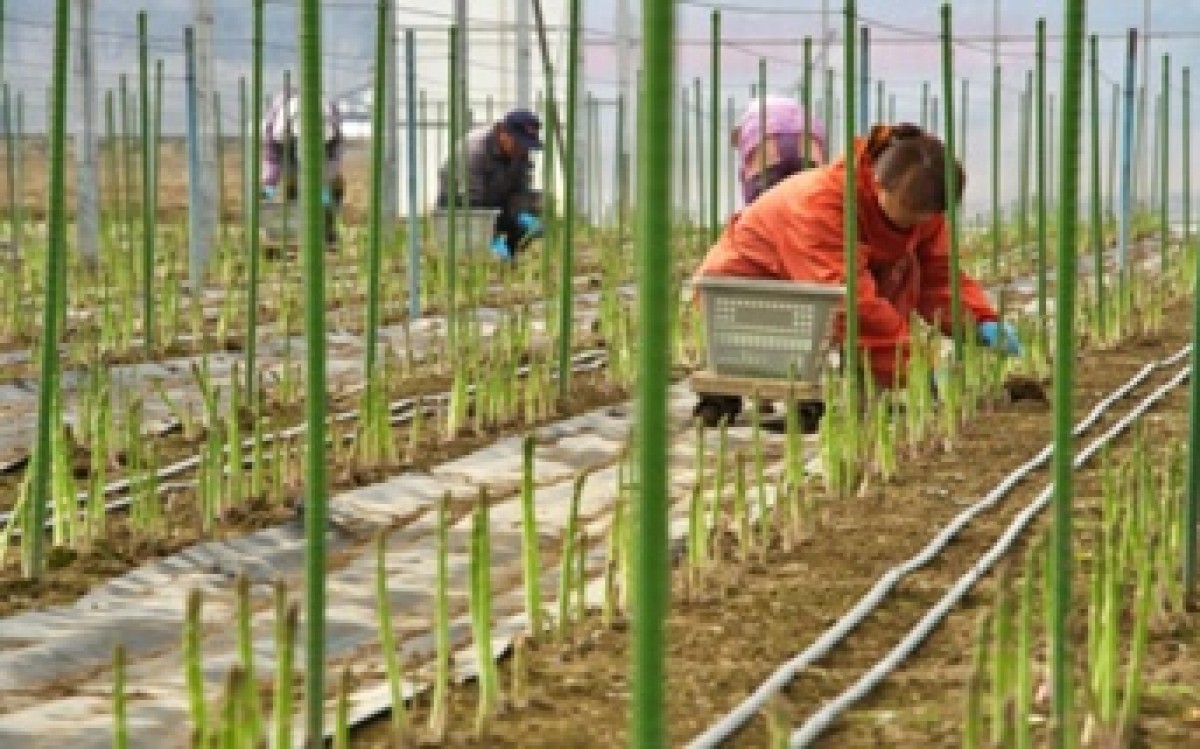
x=268 y=192
x=500 y=248
x=326 y=197
x=529 y=224
x=1001 y=336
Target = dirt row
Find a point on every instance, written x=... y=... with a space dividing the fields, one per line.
x=751 y=617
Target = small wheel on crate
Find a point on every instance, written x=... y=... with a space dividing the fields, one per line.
x=810 y=413
x=713 y=409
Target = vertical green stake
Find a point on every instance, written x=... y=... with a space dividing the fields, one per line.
x=1042 y=168
x=156 y=139
x=762 y=113
x=313 y=248
x=147 y=186
x=996 y=81
x=1186 y=158
x=956 y=319
x=654 y=238
x=1064 y=359
x=1164 y=171
x=252 y=199
x=1192 y=506
x=850 y=213
x=452 y=177
x=1097 y=220
x=806 y=148
x=566 y=267
x=1025 y=141
x=56 y=247
x=714 y=135
x=374 y=237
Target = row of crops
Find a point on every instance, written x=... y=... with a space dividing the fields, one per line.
x=164 y=414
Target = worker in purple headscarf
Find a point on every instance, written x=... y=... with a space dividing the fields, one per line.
x=281 y=162
x=766 y=157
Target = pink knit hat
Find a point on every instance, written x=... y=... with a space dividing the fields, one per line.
x=783 y=115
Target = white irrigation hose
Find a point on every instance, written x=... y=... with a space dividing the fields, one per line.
x=401 y=410
x=785 y=674
x=815 y=725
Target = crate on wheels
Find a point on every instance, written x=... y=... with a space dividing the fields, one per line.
x=766 y=339
x=279 y=226
x=474 y=227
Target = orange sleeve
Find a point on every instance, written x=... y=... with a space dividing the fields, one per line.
x=934 y=302
x=810 y=240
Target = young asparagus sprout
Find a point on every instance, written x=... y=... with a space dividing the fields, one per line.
x=532 y=567
x=438 y=711
x=974 y=720
x=245 y=639
x=287 y=622
x=120 y=718
x=193 y=662
x=568 y=558
x=341 y=731
x=387 y=641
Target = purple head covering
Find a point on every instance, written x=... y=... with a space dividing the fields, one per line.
x=783 y=117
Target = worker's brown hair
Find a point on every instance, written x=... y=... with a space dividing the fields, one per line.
x=912 y=163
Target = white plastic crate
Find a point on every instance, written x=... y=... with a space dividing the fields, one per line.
x=279 y=222
x=475 y=228
x=765 y=328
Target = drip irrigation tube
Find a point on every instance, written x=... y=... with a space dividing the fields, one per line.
x=731 y=723
x=815 y=725
x=402 y=412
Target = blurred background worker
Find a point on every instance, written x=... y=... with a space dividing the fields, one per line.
x=281 y=159
x=495 y=160
x=767 y=156
x=795 y=232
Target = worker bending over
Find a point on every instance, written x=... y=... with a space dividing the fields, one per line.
x=281 y=157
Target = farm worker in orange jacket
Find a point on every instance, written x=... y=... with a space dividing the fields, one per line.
x=794 y=232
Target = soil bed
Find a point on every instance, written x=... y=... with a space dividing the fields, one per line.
x=72 y=574
x=751 y=617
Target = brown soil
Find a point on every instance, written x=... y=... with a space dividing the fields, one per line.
x=72 y=574
x=751 y=617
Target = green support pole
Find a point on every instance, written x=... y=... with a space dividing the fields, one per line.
x=566 y=299
x=762 y=113
x=1064 y=360
x=925 y=105
x=963 y=119
x=126 y=167
x=996 y=224
x=850 y=211
x=147 y=186
x=956 y=314
x=374 y=236
x=1114 y=135
x=252 y=199
x=1164 y=171
x=827 y=105
x=1042 y=168
x=654 y=237
x=1186 y=158
x=806 y=148
x=114 y=170
x=1097 y=220
x=714 y=135
x=1025 y=147
x=316 y=514
x=56 y=248
x=1191 y=511
x=156 y=142
x=10 y=171
x=452 y=187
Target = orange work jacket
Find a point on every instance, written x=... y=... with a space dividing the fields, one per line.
x=794 y=232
